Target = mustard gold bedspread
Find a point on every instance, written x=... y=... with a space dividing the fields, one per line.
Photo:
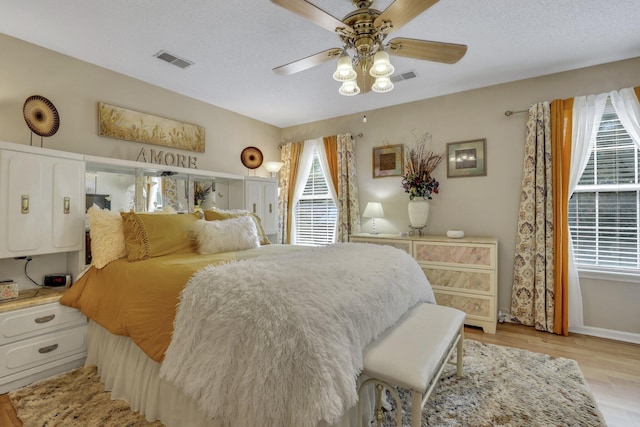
x=139 y=299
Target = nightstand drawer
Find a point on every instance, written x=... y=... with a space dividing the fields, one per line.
x=458 y=254
x=468 y=280
x=39 y=351
x=29 y=322
x=476 y=307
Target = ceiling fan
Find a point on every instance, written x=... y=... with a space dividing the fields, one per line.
x=363 y=33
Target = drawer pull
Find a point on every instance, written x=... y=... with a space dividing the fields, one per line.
x=45 y=319
x=47 y=349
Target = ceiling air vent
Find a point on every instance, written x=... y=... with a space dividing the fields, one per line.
x=173 y=59
x=403 y=76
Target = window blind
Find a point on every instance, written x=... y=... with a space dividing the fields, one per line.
x=315 y=212
x=604 y=211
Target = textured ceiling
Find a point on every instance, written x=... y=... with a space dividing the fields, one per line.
x=236 y=43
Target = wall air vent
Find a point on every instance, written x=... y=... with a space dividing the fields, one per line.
x=173 y=59
x=403 y=76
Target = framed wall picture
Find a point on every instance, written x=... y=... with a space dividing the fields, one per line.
x=388 y=160
x=467 y=158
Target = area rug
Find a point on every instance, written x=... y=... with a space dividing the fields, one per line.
x=504 y=386
x=500 y=386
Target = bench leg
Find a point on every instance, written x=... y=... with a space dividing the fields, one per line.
x=416 y=409
x=460 y=353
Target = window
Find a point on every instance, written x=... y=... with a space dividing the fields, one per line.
x=604 y=210
x=315 y=212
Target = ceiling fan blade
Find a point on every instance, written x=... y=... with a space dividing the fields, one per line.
x=448 y=53
x=308 y=62
x=402 y=11
x=313 y=13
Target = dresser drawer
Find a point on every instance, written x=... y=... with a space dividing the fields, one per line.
x=468 y=280
x=458 y=254
x=477 y=307
x=404 y=245
x=39 y=351
x=30 y=322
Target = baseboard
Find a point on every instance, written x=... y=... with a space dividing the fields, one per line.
x=606 y=333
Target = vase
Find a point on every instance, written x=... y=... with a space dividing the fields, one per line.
x=418 y=212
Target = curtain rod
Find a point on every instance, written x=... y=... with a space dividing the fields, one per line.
x=510 y=113
x=360 y=135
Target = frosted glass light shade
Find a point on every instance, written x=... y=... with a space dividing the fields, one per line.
x=273 y=167
x=349 y=88
x=344 y=70
x=381 y=65
x=373 y=210
x=382 y=84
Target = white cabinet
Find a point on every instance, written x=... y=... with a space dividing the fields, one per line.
x=462 y=272
x=39 y=341
x=257 y=195
x=41 y=203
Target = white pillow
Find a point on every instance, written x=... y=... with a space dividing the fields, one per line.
x=107 y=236
x=228 y=235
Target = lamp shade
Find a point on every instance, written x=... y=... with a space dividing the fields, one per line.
x=344 y=70
x=373 y=210
x=349 y=88
x=273 y=167
x=382 y=84
x=381 y=65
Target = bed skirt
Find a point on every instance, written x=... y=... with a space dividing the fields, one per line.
x=133 y=377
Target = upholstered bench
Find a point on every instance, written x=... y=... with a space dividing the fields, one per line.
x=412 y=355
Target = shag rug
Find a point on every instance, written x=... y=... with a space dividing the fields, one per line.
x=500 y=386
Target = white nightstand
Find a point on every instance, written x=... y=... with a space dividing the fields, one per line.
x=39 y=338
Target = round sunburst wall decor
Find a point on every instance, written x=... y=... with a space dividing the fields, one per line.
x=41 y=115
x=251 y=157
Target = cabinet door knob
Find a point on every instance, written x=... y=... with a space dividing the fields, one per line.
x=45 y=319
x=47 y=349
x=254 y=208
x=24 y=205
x=270 y=207
x=66 y=205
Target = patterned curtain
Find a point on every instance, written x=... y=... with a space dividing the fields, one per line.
x=348 y=205
x=290 y=156
x=533 y=294
x=342 y=168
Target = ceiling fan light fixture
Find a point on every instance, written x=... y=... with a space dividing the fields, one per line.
x=349 y=88
x=381 y=65
x=382 y=85
x=344 y=70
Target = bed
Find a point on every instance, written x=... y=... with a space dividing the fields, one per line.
x=258 y=334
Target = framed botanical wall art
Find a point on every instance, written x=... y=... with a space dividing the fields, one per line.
x=467 y=158
x=388 y=160
x=121 y=123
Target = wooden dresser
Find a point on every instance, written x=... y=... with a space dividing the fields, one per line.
x=463 y=272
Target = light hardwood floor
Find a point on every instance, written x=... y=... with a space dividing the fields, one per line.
x=612 y=369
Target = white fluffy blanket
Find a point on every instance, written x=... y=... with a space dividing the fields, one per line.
x=278 y=340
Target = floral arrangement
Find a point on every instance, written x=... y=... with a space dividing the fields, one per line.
x=419 y=165
x=200 y=192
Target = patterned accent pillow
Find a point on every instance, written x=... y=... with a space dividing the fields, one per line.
x=149 y=235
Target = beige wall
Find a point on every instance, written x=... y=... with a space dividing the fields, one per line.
x=75 y=88
x=482 y=206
